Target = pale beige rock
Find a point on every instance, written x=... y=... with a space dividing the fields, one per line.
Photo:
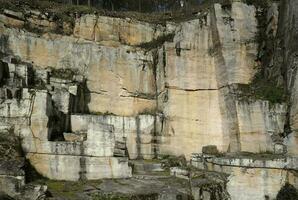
x=257 y=123
x=127 y=31
x=71 y=137
x=71 y=168
x=186 y=129
x=184 y=103
x=40 y=111
x=252 y=178
x=117 y=84
x=257 y=183
x=195 y=67
x=291 y=142
x=236 y=30
x=11 y=21
x=135 y=131
x=206 y=55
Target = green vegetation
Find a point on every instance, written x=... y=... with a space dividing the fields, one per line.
x=287 y=192
x=124 y=197
x=255 y=156
x=109 y=197
x=58 y=11
x=63 y=73
x=10 y=145
x=258 y=3
x=103 y=114
x=67 y=12
x=67 y=189
x=262 y=89
x=148 y=111
x=173 y=161
x=158 y=41
x=263 y=86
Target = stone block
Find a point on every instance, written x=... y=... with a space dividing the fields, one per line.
x=210 y=149
x=75 y=137
x=280 y=149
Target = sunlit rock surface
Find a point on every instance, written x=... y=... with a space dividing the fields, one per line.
x=87 y=99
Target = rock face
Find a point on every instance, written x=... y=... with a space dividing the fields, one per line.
x=86 y=99
x=252 y=178
x=12 y=174
x=216 y=53
x=287 y=61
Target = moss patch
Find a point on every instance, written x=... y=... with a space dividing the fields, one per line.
x=67 y=74
x=262 y=89
x=255 y=156
x=107 y=113
x=67 y=189
x=155 y=43
x=173 y=161
x=287 y=192
x=65 y=12
x=262 y=86
x=10 y=145
x=124 y=197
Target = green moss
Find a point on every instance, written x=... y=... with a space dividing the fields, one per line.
x=10 y=145
x=148 y=111
x=260 y=3
x=256 y=156
x=151 y=161
x=262 y=86
x=169 y=161
x=102 y=113
x=67 y=189
x=155 y=43
x=124 y=197
x=108 y=197
x=262 y=89
x=63 y=73
x=287 y=192
x=60 y=11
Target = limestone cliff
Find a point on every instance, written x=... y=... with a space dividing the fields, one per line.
x=86 y=96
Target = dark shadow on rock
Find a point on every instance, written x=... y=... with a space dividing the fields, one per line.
x=287 y=192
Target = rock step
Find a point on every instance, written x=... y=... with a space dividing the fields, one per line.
x=119 y=152
x=150 y=177
x=120 y=149
x=147 y=167
x=120 y=145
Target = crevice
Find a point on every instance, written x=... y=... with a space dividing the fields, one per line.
x=83 y=170
x=138 y=138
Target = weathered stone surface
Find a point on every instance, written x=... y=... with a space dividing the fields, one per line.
x=257 y=183
x=253 y=177
x=128 y=71
x=258 y=122
x=73 y=168
x=11 y=21
x=236 y=29
x=137 y=132
x=186 y=129
x=11 y=185
x=286 y=60
x=125 y=83
x=207 y=54
x=160 y=189
x=12 y=176
x=127 y=31
x=72 y=137
x=99 y=97
x=210 y=149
